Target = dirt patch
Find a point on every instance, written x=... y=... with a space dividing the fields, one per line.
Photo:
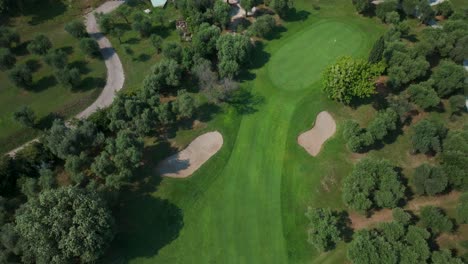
x=323 y=129
x=187 y=161
x=359 y=221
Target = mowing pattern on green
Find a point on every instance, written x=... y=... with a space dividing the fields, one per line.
x=299 y=63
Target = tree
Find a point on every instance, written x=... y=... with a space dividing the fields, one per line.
x=21 y=76
x=350 y=78
x=362 y=6
x=424 y=95
x=460 y=50
x=118 y=33
x=444 y=8
x=282 y=6
x=426 y=13
x=384 y=122
x=392 y=18
x=455 y=157
x=64 y=225
x=448 y=78
x=143 y=26
x=221 y=11
x=8 y=37
x=105 y=22
x=401 y=216
x=462 y=208
x=46 y=179
x=457 y=104
x=56 y=58
x=435 y=219
x=376 y=53
x=233 y=52
x=427 y=136
x=405 y=67
x=445 y=257
x=247 y=5
x=68 y=77
x=156 y=41
x=409 y=7
x=372 y=184
x=385 y=7
x=124 y=11
x=89 y=47
x=172 y=50
x=429 y=180
x=25 y=116
x=184 y=105
x=164 y=74
x=325 y=228
x=165 y=114
x=40 y=45
x=7 y=59
x=204 y=40
x=76 y=28
x=263 y=26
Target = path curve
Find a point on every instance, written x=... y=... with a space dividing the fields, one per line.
x=115 y=73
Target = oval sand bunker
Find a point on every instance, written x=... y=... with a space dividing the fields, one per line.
x=323 y=129
x=187 y=161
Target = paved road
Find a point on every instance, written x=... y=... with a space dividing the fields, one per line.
x=115 y=73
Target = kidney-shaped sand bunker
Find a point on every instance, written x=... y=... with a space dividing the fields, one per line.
x=312 y=140
x=187 y=161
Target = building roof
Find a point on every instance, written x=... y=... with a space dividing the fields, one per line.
x=158 y=3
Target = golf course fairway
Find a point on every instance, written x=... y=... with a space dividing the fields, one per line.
x=247 y=203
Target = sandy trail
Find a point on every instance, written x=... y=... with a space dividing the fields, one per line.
x=187 y=161
x=312 y=140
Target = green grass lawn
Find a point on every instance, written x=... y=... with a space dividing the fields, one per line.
x=46 y=96
x=247 y=203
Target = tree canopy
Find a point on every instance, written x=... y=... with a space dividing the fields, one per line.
x=429 y=180
x=325 y=228
x=455 y=157
x=427 y=136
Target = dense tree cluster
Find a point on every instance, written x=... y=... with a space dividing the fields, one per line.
x=435 y=219
x=455 y=157
x=233 y=53
x=263 y=26
x=326 y=228
x=424 y=95
x=372 y=184
x=350 y=79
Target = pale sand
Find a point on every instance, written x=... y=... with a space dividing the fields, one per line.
x=187 y=161
x=312 y=140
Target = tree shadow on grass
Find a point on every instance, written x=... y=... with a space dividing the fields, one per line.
x=44 y=83
x=276 y=33
x=82 y=66
x=245 y=102
x=68 y=50
x=294 y=16
x=46 y=12
x=46 y=122
x=260 y=58
x=21 y=49
x=207 y=112
x=90 y=83
x=33 y=64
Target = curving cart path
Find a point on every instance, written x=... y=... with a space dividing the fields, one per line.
x=115 y=73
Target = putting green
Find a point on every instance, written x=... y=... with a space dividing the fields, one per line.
x=299 y=63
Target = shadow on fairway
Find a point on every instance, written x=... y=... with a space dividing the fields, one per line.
x=245 y=102
x=39 y=15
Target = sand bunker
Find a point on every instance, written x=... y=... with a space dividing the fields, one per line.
x=313 y=139
x=186 y=162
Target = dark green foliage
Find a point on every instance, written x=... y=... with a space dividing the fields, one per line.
x=21 y=76
x=409 y=7
x=362 y=6
x=40 y=45
x=400 y=105
x=7 y=176
x=164 y=74
x=372 y=184
x=263 y=26
x=8 y=37
x=435 y=219
x=427 y=136
x=455 y=157
x=448 y=78
x=7 y=59
x=165 y=114
x=89 y=47
x=383 y=123
x=76 y=28
x=25 y=116
x=46 y=179
x=143 y=26
x=157 y=42
x=426 y=13
x=460 y=50
x=424 y=95
x=350 y=78
x=385 y=7
x=429 y=180
x=390 y=243
x=184 y=105
x=105 y=22
x=376 y=53
x=445 y=257
x=57 y=59
x=282 y=6
x=204 y=40
x=462 y=208
x=392 y=18
x=401 y=216
x=405 y=67
x=233 y=53
x=457 y=104
x=221 y=11
x=64 y=225
x=172 y=50
x=444 y=9
x=325 y=228
x=68 y=77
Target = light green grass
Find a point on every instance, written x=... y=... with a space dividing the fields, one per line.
x=247 y=203
x=46 y=96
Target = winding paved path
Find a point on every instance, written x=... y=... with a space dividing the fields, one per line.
x=115 y=73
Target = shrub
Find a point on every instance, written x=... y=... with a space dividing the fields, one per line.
x=263 y=26
x=40 y=45
x=57 y=59
x=376 y=53
x=76 y=28
x=384 y=122
x=89 y=47
x=21 y=76
x=25 y=116
x=7 y=59
x=68 y=77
